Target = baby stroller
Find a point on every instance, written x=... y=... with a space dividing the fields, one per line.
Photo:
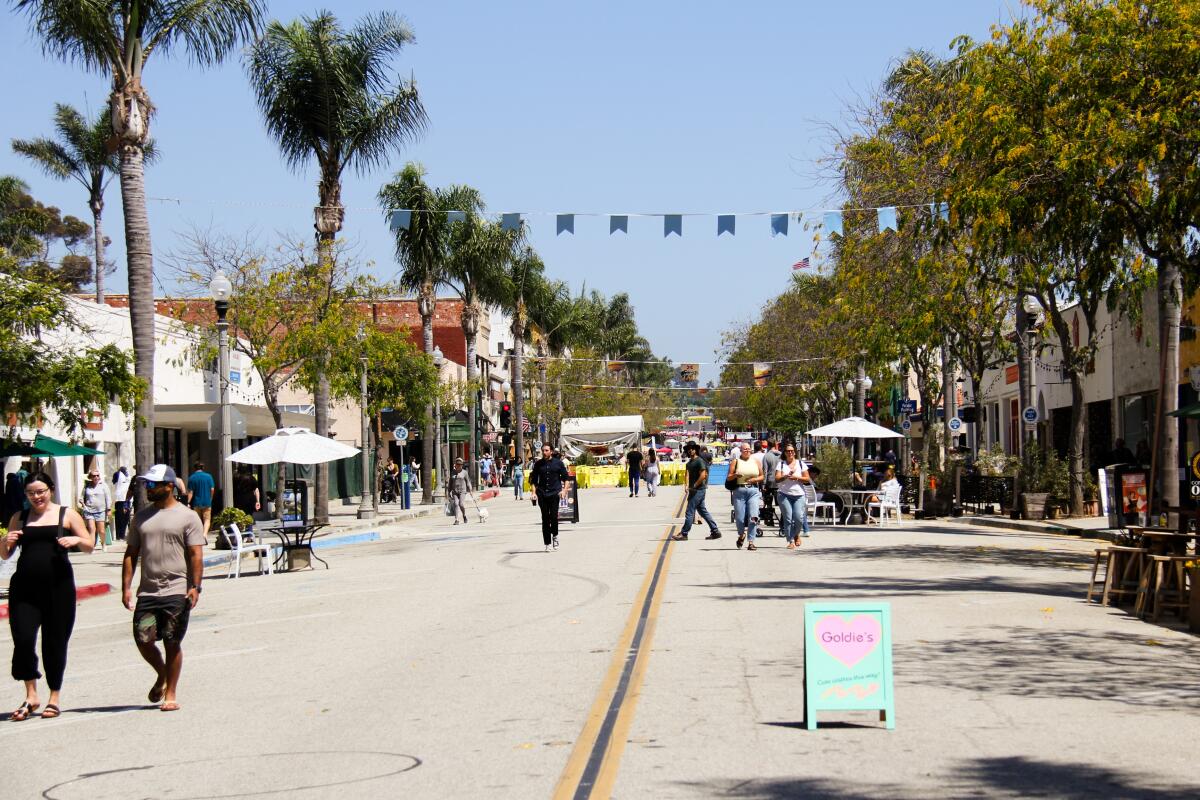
x=387 y=491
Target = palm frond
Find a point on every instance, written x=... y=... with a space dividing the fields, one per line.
x=49 y=155
x=82 y=31
x=207 y=29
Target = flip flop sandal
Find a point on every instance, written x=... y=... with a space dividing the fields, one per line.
x=51 y=712
x=23 y=712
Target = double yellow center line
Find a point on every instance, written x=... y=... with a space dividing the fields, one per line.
x=591 y=769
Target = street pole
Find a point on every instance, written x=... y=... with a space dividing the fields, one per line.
x=1025 y=334
x=366 y=509
x=221 y=289
x=438 y=360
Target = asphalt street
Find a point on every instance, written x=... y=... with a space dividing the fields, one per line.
x=463 y=661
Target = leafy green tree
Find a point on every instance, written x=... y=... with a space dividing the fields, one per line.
x=35 y=234
x=43 y=367
x=118 y=38
x=81 y=153
x=326 y=95
x=421 y=250
x=522 y=286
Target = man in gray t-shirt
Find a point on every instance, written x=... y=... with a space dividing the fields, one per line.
x=169 y=539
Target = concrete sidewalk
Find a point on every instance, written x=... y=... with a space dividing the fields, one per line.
x=1083 y=527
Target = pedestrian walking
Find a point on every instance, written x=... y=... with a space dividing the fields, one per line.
x=652 y=472
x=485 y=469
x=168 y=539
x=518 y=479
x=770 y=461
x=697 y=488
x=791 y=475
x=122 y=501
x=246 y=494
x=548 y=480
x=200 y=494
x=96 y=502
x=460 y=487
x=41 y=593
x=747 y=497
x=633 y=462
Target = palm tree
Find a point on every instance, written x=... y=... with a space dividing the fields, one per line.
x=81 y=153
x=118 y=38
x=477 y=255
x=327 y=94
x=522 y=287
x=421 y=253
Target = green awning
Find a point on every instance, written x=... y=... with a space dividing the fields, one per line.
x=1187 y=412
x=55 y=448
x=16 y=447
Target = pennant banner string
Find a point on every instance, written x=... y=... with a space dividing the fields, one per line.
x=706 y=363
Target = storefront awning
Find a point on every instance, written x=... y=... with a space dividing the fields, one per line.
x=194 y=417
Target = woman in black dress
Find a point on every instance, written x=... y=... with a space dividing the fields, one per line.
x=41 y=593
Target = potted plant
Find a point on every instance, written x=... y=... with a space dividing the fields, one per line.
x=231 y=516
x=1036 y=482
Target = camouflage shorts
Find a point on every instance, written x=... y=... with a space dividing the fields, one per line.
x=161 y=619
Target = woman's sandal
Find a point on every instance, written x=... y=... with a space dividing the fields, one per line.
x=22 y=713
x=51 y=712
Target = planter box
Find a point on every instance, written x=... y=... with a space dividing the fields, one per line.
x=1033 y=505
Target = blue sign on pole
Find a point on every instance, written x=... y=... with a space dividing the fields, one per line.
x=908 y=406
x=235 y=376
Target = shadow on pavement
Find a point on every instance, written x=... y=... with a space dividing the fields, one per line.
x=872 y=586
x=987 y=777
x=985 y=555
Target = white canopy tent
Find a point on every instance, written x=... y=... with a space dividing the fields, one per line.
x=600 y=436
x=855 y=428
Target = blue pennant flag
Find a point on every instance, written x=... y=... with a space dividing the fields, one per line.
x=456 y=216
x=618 y=222
x=940 y=210
x=510 y=222
x=726 y=224
x=779 y=224
x=564 y=222
x=400 y=220
x=887 y=218
x=833 y=222
x=673 y=223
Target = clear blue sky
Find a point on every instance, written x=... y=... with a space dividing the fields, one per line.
x=608 y=107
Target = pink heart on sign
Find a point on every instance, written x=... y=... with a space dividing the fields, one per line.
x=849 y=641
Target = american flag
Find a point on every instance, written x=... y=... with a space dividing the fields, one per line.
x=525 y=426
x=801 y=264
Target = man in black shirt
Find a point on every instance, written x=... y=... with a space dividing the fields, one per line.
x=633 y=459
x=697 y=487
x=547 y=479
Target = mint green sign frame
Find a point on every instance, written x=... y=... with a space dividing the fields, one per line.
x=848 y=660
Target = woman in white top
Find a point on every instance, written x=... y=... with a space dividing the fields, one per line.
x=790 y=476
x=651 y=472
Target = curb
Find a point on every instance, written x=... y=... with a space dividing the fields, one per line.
x=331 y=541
x=1032 y=527
x=81 y=593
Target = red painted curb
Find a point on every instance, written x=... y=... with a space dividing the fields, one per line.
x=81 y=593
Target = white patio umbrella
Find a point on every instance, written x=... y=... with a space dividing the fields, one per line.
x=855 y=428
x=294 y=446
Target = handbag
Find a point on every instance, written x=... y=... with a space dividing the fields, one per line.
x=731 y=480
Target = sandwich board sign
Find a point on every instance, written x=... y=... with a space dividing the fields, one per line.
x=848 y=660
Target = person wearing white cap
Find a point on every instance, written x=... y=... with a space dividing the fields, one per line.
x=169 y=538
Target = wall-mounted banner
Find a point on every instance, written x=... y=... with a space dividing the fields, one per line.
x=848 y=660
x=762 y=373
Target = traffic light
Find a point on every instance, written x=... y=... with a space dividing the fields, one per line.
x=870 y=409
x=506 y=415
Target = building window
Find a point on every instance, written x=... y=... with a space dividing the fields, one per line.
x=167 y=448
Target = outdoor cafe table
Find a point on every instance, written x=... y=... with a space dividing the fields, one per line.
x=858 y=502
x=1163 y=541
x=294 y=537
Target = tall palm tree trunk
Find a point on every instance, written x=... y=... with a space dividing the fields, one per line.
x=470 y=326
x=425 y=306
x=1165 y=455
x=140 y=259
x=325 y=239
x=97 y=205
